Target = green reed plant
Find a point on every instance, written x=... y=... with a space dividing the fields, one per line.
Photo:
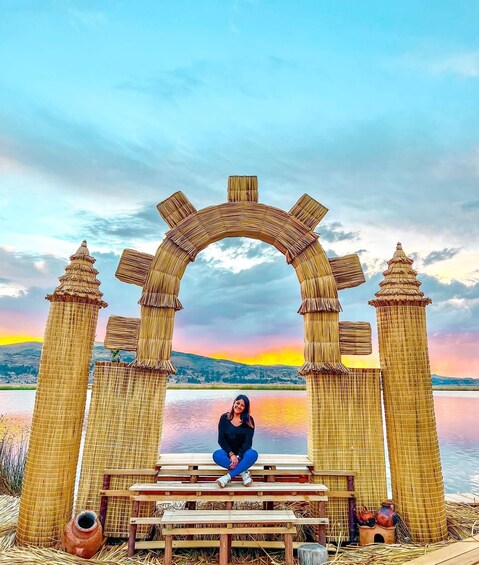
x=13 y=455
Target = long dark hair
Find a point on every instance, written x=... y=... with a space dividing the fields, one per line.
x=245 y=415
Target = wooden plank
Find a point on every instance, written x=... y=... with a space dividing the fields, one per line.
x=324 y=521
x=115 y=493
x=223 y=516
x=465 y=552
x=224 y=498
x=213 y=487
x=206 y=459
x=237 y=530
x=341 y=494
x=192 y=543
x=150 y=472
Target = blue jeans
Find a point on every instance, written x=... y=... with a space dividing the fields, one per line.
x=222 y=459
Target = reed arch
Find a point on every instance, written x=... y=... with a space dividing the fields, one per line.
x=138 y=430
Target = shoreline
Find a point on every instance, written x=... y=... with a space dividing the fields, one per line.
x=226 y=386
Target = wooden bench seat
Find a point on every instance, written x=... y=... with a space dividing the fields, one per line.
x=224 y=523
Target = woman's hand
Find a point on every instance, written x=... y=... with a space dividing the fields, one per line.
x=234 y=461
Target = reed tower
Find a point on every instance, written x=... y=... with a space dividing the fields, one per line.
x=416 y=473
x=47 y=496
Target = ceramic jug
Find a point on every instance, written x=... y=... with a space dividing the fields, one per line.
x=365 y=517
x=83 y=535
x=386 y=516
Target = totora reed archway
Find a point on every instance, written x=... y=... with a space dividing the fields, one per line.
x=137 y=431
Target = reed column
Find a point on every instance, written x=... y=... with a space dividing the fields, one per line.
x=47 y=495
x=416 y=473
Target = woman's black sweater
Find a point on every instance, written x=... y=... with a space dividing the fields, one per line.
x=234 y=439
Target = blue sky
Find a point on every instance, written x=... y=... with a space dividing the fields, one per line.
x=106 y=108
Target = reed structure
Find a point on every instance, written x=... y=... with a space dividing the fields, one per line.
x=123 y=431
x=416 y=474
x=345 y=431
x=47 y=494
x=191 y=231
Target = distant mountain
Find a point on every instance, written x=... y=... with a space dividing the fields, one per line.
x=19 y=365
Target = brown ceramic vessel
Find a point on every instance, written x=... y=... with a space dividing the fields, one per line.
x=83 y=535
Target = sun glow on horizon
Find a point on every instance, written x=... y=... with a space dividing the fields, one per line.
x=282 y=356
x=13 y=339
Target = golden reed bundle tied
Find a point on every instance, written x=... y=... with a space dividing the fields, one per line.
x=128 y=438
x=49 y=481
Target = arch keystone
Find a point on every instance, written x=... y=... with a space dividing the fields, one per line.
x=122 y=333
x=133 y=267
x=347 y=271
x=355 y=338
x=242 y=189
x=175 y=209
x=308 y=211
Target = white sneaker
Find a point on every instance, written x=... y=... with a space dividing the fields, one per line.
x=247 y=480
x=224 y=480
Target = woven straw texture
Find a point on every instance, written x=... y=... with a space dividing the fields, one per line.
x=355 y=338
x=416 y=473
x=175 y=209
x=122 y=333
x=308 y=211
x=47 y=494
x=347 y=271
x=345 y=433
x=133 y=267
x=129 y=437
x=242 y=189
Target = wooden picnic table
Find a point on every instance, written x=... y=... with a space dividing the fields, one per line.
x=234 y=492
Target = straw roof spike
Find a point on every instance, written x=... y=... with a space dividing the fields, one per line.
x=79 y=283
x=400 y=284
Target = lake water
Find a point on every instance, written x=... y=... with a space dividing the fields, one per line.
x=191 y=417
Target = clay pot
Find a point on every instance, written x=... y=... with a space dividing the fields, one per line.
x=365 y=517
x=386 y=516
x=83 y=535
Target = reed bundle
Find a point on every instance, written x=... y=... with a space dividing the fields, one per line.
x=129 y=437
x=175 y=209
x=410 y=420
x=416 y=475
x=122 y=333
x=156 y=339
x=133 y=267
x=345 y=432
x=48 y=484
x=242 y=189
x=242 y=219
x=400 y=283
x=347 y=271
x=355 y=338
x=79 y=283
x=308 y=211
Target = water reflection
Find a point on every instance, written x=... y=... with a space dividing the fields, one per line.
x=191 y=418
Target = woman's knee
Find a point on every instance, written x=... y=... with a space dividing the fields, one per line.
x=252 y=454
x=219 y=456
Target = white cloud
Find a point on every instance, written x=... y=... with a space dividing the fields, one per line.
x=237 y=258
x=13 y=291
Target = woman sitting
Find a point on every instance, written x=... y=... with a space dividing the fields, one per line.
x=235 y=436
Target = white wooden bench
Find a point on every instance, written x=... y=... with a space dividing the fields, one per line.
x=224 y=523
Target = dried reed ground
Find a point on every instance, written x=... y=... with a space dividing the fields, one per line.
x=463 y=522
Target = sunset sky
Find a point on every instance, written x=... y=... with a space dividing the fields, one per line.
x=108 y=107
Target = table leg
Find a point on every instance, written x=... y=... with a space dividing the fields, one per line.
x=351 y=511
x=321 y=528
x=288 y=549
x=224 y=549
x=104 y=501
x=168 y=549
x=131 y=540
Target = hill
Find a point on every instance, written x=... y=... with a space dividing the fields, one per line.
x=19 y=365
